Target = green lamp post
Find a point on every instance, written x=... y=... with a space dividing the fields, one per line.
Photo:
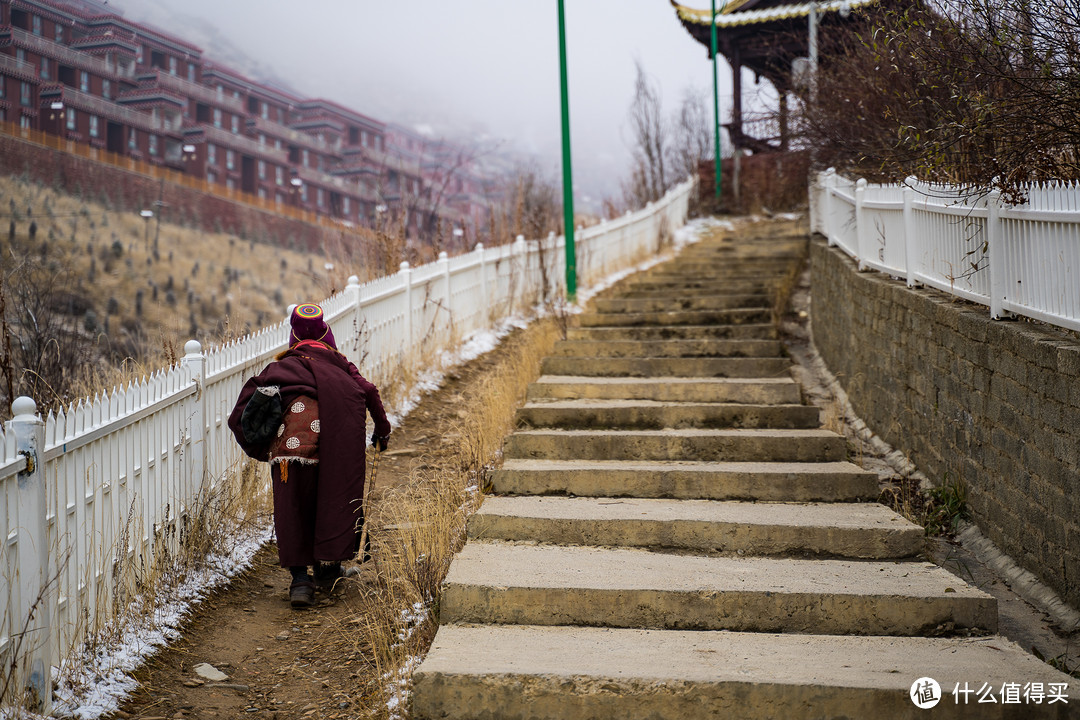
x=716 y=105
x=568 y=176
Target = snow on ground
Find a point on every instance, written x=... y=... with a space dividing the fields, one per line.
x=399 y=682
x=96 y=679
x=94 y=682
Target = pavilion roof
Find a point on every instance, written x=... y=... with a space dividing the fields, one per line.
x=736 y=13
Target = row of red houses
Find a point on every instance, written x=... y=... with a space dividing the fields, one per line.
x=79 y=70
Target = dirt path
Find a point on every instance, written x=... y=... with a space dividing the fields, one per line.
x=284 y=663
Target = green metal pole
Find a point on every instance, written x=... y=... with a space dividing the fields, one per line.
x=568 y=175
x=716 y=105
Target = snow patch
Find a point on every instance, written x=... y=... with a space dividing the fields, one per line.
x=95 y=680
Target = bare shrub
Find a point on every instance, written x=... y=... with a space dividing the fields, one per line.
x=692 y=139
x=649 y=143
x=981 y=93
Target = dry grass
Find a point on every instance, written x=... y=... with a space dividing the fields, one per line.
x=218 y=269
x=939 y=510
x=134 y=307
x=786 y=287
x=423 y=524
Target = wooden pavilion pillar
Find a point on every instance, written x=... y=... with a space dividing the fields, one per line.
x=784 y=134
x=736 y=85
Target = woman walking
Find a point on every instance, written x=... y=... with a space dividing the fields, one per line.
x=305 y=414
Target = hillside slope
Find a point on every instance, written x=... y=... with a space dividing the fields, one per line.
x=89 y=300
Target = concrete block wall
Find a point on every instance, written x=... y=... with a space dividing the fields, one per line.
x=995 y=404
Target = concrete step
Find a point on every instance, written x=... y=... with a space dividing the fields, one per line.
x=763 y=297
x=768 y=245
x=708 y=269
x=749 y=331
x=738 y=316
x=707 y=445
x=724 y=263
x=522 y=584
x=652 y=415
x=667 y=348
x=672 y=304
x=849 y=530
x=701 y=272
x=688 y=288
x=517 y=672
x=763 y=391
x=734 y=270
x=592 y=366
x=793 y=246
x=770 y=481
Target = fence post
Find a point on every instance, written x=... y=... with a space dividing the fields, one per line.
x=828 y=183
x=909 y=232
x=352 y=291
x=444 y=261
x=553 y=272
x=860 y=225
x=483 y=282
x=198 y=463
x=406 y=280
x=996 y=250
x=521 y=264
x=36 y=596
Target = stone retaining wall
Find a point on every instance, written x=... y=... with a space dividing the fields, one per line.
x=995 y=404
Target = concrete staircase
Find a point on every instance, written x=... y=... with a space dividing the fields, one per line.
x=676 y=537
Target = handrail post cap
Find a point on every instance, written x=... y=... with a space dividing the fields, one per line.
x=24 y=408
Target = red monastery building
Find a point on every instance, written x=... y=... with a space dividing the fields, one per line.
x=78 y=70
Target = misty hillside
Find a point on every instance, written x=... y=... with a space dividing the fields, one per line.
x=217 y=47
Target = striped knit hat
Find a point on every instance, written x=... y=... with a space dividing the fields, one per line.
x=308 y=324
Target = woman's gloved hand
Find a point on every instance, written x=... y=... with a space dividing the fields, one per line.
x=379 y=442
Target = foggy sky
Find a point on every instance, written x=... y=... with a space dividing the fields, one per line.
x=477 y=65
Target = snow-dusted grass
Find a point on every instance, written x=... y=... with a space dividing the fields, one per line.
x=224 y=528
x=93 y=681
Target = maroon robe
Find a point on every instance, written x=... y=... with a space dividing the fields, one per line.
x=317 y=509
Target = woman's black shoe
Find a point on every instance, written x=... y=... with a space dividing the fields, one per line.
x=302 y=593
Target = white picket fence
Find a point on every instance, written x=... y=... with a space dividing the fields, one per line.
x=117 y=474
x=1023 y=259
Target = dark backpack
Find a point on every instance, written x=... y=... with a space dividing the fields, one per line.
x=262 y=416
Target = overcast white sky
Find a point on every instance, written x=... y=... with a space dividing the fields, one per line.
x=485 y=65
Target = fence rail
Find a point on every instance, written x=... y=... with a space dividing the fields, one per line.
x=112 y=479
x=1022 y=259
